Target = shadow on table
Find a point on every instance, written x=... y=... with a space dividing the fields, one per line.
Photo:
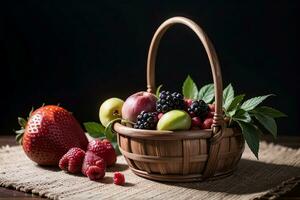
x=250 y=177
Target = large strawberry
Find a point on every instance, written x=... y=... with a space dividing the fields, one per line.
x=49 y=133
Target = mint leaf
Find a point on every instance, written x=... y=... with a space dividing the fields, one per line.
x=228 y=95
x=158 y=90
x=271 y=112
x=268 y=122
x=241 y=115
x=250 y=104
x=207 y=93
x=94 y=129
x=251 y=134
x=189 y=88
x=232 y=107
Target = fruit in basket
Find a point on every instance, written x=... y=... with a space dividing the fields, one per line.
x=136 y=103
x=110 y=109
x=103 y=149
x=207 y=123
x=49 y=133
x=169 y=101
x=72 y=160
x=174 y=120
x=198 y=108
x=188 y=102
x=212 y=107
x=146 y=120
x=196 y=122
x=93 y=166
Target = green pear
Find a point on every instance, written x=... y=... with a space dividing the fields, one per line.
x=109 y=110
x=174 y=120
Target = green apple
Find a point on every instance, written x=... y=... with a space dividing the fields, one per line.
x=174 y=120
x=110 y=109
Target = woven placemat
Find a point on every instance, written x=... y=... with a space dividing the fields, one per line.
x=266 y=177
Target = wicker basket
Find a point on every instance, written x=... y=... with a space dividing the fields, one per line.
x=182 y=156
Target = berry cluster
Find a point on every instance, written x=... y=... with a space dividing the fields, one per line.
x=168 y=101
x=146 y=120
x=198 y=108
x=92 y=163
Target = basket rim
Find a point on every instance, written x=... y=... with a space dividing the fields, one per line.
x=166 y=135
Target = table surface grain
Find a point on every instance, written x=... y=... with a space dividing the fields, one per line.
x=293 y=142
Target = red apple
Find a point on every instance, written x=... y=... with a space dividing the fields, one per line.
x=136 y=103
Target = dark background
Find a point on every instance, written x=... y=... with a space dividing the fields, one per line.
x=80 y=53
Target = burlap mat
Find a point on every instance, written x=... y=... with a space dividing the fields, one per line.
x=252 y=179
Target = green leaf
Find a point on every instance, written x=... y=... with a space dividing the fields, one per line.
x=22 y=122
x=110 y=135
x=251 y=134
x=271 y=112
x=228 y=95
x=207 y=93
x=241 y=115
x=189 y=88
x=116 y=147
x=250 y=104
x=233 y=106
x=268 y=122
x=94 y=129
x=158 y=90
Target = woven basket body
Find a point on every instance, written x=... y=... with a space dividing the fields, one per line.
x=182 y=156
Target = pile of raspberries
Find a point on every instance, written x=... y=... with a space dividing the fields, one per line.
x=99 y=155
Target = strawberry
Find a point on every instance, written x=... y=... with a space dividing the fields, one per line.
x=49 y=133
x=72 y=160
x=93 y=166
x=103 y=149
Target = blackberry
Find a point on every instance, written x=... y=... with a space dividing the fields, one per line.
x=198 y=108
x=169 y=101
x=146 y=120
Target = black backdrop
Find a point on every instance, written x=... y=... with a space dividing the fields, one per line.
x=79 y=53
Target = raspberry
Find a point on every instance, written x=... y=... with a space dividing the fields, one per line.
x=72 y=160
x=196 y=122
x=188 y=102
x=146 y=120
x=168 y=101
x=119 y=178
x=160 y=115
x=95 y=173
x=198 y=108
x=207 y=123
x=210 y=115
x=212 y=107
x=103 y=149
x=93 y=166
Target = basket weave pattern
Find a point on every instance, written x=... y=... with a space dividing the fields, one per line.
x=182 y=156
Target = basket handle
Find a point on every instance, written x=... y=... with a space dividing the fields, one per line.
x=212 y=56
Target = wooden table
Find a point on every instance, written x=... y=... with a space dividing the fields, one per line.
x=293 y=142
